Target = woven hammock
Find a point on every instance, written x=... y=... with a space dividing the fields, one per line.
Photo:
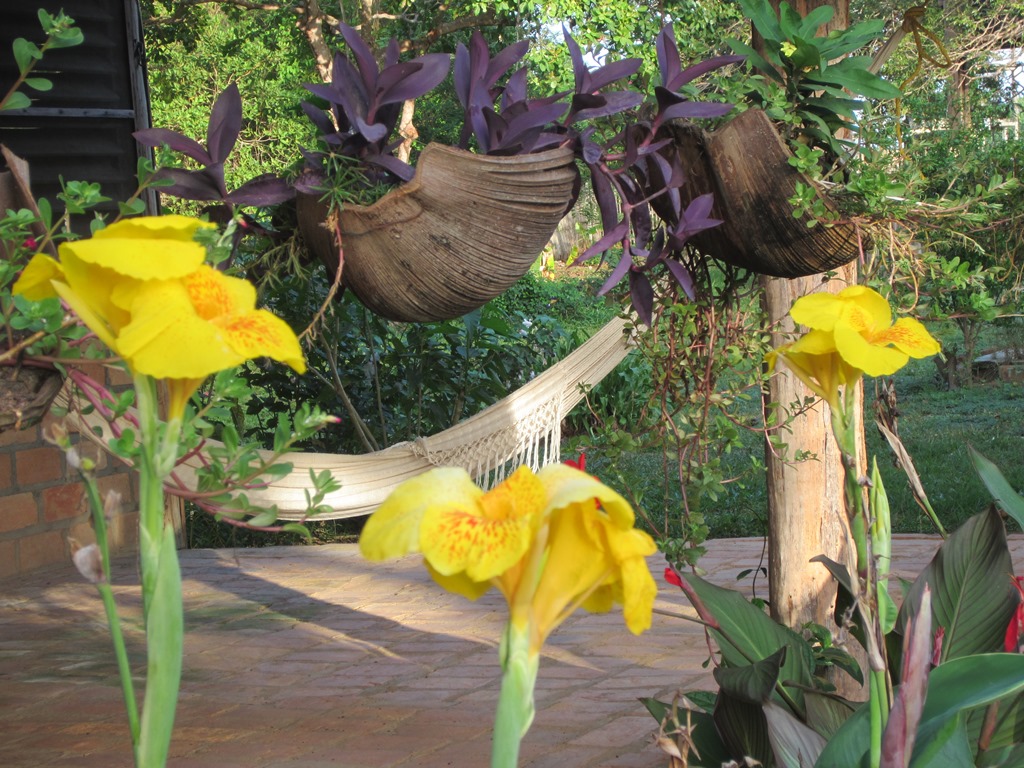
x=521 y=429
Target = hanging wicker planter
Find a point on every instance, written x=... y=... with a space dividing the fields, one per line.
x=459 y=234
x=745 y=163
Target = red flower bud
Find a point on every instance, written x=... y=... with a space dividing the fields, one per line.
x=580 y=463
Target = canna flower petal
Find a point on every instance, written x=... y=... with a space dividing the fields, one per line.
x=204 y=323
x=852 y=333
x=179 y=392
x=133 y=256
x=818 y=311
x=815 y=362
x=214 y=294
x=857 y=305
x=166 y=339
x=169 y=227
x=393 y=530
x=864 y=308
x=34 y=282
x=487 y=538
x=567 y=486
x=578 y=563
x=631 y=548
x=596 y=557
x=862 y=352
x=459 y=583
x=263 y=334
x=910 y=336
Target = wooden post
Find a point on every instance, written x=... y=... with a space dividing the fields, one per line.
x=806 y=516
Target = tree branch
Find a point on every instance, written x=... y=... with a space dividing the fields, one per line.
x=423 y=43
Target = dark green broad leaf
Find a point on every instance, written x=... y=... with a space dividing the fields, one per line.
x=794 y=744
x=973 y=597
x=848 y=747
x=815 y=18
x=806 y=54
x=837 y=45
x=845 y=601
x=943 y=744
x=1011 y=502
x=947 y=747
x=839 y=658
x=703 y=732
x=764 y=18
x=1003 y=757
x=966 y=683
x=747 y=634
x=753 y=683
x=1009 y=731
x=744 y=729
x=755 y=59
x=858 y=81
x=826 y=712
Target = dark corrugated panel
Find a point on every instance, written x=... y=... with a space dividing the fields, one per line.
x=80 y=130
x=78 y=150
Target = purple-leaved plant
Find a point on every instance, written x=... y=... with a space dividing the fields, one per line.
x=638 y=181
x=207 y=183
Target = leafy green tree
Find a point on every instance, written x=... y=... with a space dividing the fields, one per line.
x=196 y=51
x=959 y=140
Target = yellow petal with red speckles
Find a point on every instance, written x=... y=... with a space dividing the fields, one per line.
x=487 y=538
x=393 y=530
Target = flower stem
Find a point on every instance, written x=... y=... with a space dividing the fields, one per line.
x=844 y=425
x=110 y=606
x=515 y=704
x=161 y=581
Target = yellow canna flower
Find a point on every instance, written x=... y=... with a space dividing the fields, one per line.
x=852 y=333
x=551 y=542
x=142 y=286
x=865 y=335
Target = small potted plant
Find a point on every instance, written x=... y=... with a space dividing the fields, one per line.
x=798 y=107
x=458 y=229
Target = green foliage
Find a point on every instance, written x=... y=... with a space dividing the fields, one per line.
x=396 y=381
x=815 y=74
x=972 y=602
x=195 y=52
x=61 y=32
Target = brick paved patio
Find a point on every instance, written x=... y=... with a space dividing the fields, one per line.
x=298 y=657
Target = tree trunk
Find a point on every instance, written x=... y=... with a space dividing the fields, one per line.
x=806 y=514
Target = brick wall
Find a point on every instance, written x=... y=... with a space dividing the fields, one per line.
x=43 y=510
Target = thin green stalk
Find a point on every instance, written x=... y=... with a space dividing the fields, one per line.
x=515 y=703
x=844 y=426
x=110 y=606
x=879 y=714
x=151 y=498
x=161 y=581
